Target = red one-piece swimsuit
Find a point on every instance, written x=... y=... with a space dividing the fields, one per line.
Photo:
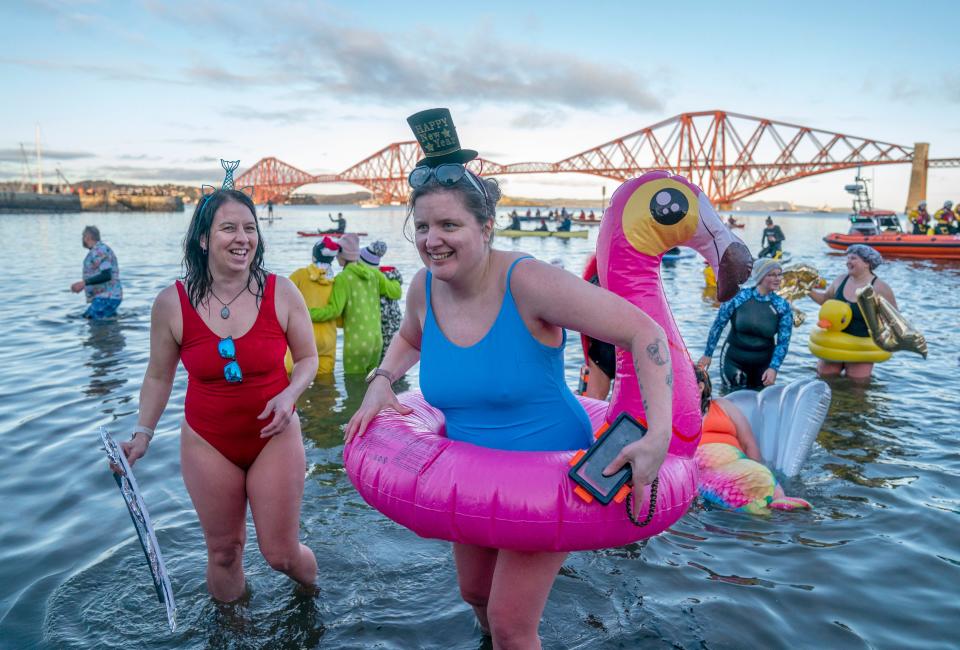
x=223 y=413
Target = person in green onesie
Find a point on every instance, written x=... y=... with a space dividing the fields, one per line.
x=356 y=297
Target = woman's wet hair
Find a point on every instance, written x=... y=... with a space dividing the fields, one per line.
x=482 y=208
x=196 y=268
x=703 y=377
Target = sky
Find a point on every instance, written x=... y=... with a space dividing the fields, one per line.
x=150 y=91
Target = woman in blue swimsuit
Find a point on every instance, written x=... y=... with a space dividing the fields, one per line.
x=487 y=327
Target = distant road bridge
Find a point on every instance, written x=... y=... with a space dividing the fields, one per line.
x=706 y=147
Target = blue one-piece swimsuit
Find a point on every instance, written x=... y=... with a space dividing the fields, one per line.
x=507 y=391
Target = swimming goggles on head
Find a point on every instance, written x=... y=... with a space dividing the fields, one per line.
x=228 y=350
x=447 y=174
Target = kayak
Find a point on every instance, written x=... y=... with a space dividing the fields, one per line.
x=898 y=244
x=564 y=234
x=307 y=233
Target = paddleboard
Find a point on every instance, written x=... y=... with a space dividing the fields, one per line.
x=144 y=527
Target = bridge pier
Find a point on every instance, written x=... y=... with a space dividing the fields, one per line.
x=918 y=175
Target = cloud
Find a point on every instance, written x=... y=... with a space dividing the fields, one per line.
x=289 y=116
x=15 y=155
x=538 y=120
x=951 y=87
x=162 y=174
x=102 y=72
x=319 y=51
x=365 y=64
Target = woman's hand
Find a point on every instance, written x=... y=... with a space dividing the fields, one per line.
x=645 y=457
x=704 y=362
x=133 y=449
x=78 y=286
x=379 y=396
x=769 y=376
x=282 y=408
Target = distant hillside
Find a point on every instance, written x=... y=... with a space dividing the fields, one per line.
x=328 y=199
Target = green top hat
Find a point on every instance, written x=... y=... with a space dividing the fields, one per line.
x=437 y=137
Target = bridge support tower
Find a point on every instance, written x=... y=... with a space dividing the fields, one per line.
x=918 y=175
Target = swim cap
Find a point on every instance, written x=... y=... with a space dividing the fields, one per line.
x=867 y=253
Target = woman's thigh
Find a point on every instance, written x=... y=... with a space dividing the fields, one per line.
x=859 y=370
x=275 y=488
x=829 y=368
x=475 y=567
x=521 y=584
x=216 y=487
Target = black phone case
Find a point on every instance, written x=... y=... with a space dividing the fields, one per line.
x=599 y=496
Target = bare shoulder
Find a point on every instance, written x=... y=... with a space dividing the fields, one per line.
x=285 y=287
x=881 y=285
x=533 y=273
x=728 y=407
x=166 y=315
x=417 y=290
x=168 y=300
x=884 y=290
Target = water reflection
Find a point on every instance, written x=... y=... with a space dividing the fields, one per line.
x=106 y=341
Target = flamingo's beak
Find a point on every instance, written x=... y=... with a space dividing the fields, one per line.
x=727 y=255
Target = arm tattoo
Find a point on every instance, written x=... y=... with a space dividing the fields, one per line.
x=670 y=378
x=656 y=354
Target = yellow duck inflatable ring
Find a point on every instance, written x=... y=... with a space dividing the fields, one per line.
x=829 y=342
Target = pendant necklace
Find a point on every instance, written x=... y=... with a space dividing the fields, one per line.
x=225 y=312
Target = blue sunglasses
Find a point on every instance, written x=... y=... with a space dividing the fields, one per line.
x=446 y=174
x=228 y=350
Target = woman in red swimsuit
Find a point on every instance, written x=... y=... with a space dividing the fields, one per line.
x=240 y=441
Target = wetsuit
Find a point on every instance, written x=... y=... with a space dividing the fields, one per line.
x=507 y=391
x=772 y=241
x=223 y=413
x=857 y=326
x=760 y=329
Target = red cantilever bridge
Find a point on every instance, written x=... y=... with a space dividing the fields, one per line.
x=729 y=155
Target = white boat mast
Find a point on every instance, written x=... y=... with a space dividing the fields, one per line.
x=39 y=163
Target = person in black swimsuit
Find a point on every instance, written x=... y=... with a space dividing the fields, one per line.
x=601 y=361
x=862 y=260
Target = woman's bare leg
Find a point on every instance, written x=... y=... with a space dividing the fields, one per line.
x=829 y=368
x=475 y=567
x=521 y=585
x=217 y=489
x=859 y=371
x=275 y=490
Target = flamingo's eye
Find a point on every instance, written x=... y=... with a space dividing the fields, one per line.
x=669 y=206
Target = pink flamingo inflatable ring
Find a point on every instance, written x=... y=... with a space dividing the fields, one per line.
x=406 y=468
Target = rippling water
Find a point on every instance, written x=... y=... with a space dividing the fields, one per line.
x=871 y=566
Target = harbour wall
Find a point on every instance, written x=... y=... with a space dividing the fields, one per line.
x=33 y=202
